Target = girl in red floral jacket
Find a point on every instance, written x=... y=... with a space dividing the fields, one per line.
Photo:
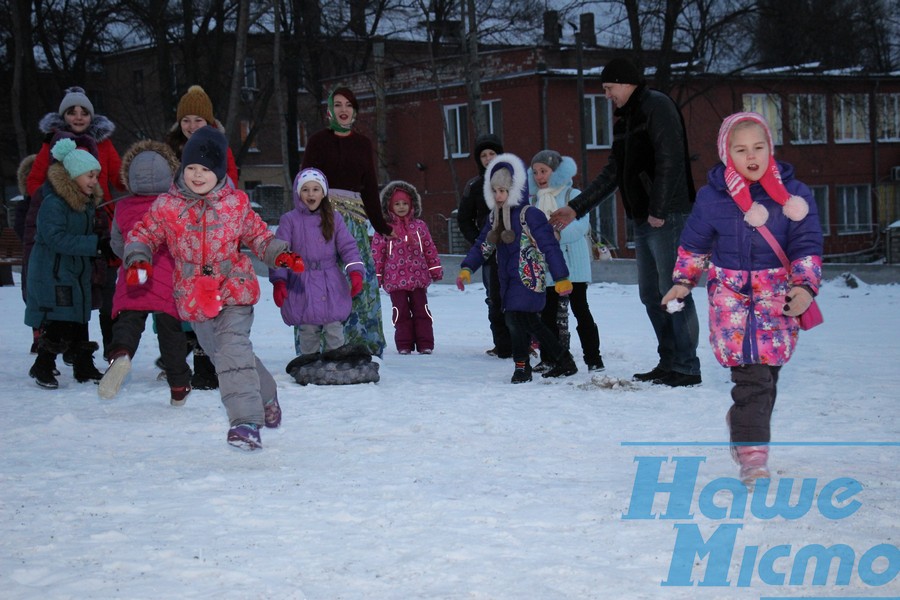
x=204 y=221
x=406 y=264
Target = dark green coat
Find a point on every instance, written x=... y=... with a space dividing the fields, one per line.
x=59 y=269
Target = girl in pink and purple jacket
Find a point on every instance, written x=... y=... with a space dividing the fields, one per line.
x=406 y=264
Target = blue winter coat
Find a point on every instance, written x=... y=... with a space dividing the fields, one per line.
x=321 y=293
x=59 y=273
x=513 y=293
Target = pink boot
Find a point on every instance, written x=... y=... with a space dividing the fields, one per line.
x=753 y=461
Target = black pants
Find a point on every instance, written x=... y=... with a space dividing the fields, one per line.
x=499 y=330
x=522 y=326
x=63 y=335
x=126 y=335
x=750 y=417
x=587 y=328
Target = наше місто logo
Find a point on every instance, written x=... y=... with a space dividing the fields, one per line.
x=711 y=555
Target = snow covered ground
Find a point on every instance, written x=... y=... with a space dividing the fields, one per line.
x=445 y=481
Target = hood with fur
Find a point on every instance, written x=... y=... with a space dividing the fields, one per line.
x=66 y=188
x=562 y=176
x=147 y=146
x=23 y=171
x=388 y=191
x=483 y=142
x=100 y=128
x=518 y=193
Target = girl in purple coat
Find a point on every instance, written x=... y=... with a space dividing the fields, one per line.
x=406 y=263
x=506 y=192
x=318 y=300
x=754 y=301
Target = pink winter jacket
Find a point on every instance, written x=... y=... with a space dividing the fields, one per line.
x=204 y=236
x=410 y=260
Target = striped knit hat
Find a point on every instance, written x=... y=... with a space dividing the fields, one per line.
x=795 y=208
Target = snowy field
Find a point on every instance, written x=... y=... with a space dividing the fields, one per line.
x=444 y=481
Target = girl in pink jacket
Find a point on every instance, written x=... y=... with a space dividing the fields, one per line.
x=406 y=265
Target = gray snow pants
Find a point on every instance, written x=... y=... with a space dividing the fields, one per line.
x=244 y=382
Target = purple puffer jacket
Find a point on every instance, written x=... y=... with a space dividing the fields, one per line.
x=321 y=293
x=746 y=281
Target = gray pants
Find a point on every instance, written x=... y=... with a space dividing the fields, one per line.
x=310 y=337
x=244 y=382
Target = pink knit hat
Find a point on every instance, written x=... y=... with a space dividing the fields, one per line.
x=755 y=214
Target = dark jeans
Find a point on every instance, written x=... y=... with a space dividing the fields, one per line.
x=106 y=320
x=753 y=394
x=412 y=320
x=677 y=334
x=586 y=328
x=525 y=325
x=499 y=331
x=126 y=335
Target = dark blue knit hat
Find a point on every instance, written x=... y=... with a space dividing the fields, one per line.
x=208 y=147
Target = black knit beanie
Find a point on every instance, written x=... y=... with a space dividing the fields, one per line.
x=621 y=70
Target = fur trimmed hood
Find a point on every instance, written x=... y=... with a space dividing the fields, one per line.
x=562 y=176
x=23 y=171
x=388 y=191
x=100 y=128
x=147 y=146
x=518 y=193
x=66 y=188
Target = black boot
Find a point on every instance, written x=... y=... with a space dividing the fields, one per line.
x=83 y=368
x=43 y=368
x=564 y=367
x=590 y=345
x=204 y=377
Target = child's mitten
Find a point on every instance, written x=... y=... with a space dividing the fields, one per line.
x=437 y=274
x=797 y=301
x=279 y=292
x=464 y=278
x=138 y=273
x=291 y=261
x=563 y=287
x=206 y=295
x=356 y=283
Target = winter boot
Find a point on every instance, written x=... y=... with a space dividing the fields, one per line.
x=43 y=368
x=590 y=344
x=204 y=377
x=564 y=367
x=273 y=413
x=753 y=461
x=83 y=363
x=245 y=436
x=522 y=373
x=119 y=367
x=178 y=395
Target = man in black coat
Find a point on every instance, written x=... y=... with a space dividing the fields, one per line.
x=471 y=216
x=650 y=166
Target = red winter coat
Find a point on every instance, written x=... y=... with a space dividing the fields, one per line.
x=204 y=236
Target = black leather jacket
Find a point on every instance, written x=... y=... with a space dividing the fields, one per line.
x=649 y=162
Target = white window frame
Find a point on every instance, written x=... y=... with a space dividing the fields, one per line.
x=769 y=106
x=851 y=118
x=302 y=136
x=854 y=206
x=808 y=119
x=456 y=119
x=820 y=194
x=597 y=107
x=250 y=81
x=494 y=116
x=887 y=117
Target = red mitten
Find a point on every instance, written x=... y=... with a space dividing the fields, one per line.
x=291 y=261
x=279 y=293
x=206 y=295
x=437 y=274
x=356 y=283
x=138 y=273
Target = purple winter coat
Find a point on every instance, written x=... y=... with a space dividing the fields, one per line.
x=321 y=293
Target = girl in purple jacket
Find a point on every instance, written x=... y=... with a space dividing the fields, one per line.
x=754 y=301
x=406 y=263
x=318 y=300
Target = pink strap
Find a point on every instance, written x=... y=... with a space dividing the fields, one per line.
x=767 y=235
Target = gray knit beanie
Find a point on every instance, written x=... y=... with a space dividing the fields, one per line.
x=551 y=158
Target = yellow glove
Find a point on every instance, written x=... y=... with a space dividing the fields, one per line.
x=464 y=278
x=563 y=287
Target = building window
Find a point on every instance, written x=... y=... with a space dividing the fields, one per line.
x=246 y=126
x=456 y=118
x=851 y=118
x=887 y=112
x=597 y=122
x=495 y=117
x=820 y=194
x=769 y=106
x=302 y=136
x=250 y=73
x=807 y=117
x=854 y=209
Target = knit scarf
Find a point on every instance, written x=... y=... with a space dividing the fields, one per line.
x=546 y=199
